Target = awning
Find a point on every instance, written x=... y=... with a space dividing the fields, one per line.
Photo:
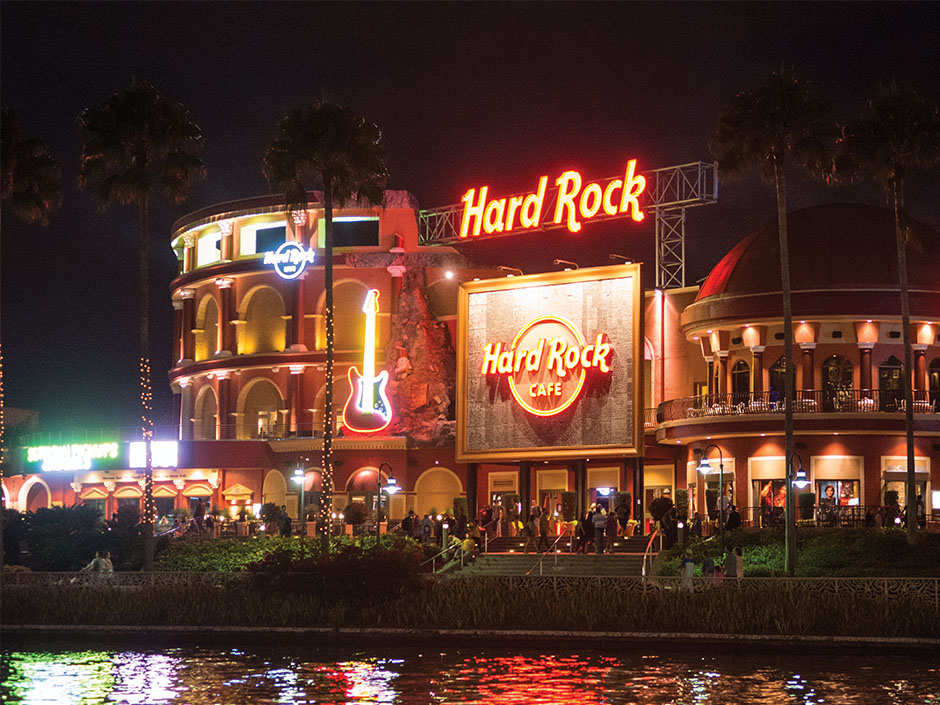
x=198 y=489
x=93 y=493
x=128 y=491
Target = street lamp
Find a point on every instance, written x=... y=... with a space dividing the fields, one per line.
x=799 y=480
x=299 y=479
x=704 y=467
x=391 y=487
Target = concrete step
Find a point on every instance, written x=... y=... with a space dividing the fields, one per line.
x=515 y=544
x=565 y=564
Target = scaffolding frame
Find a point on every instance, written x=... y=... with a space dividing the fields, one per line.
x=669 y=192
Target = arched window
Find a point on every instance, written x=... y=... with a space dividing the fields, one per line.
x=264 y=324
x=778 y=373
x=890 y=392
x=837 y=383
x=933 y=380
x=260 y=408
x=349 y=322
x=207 y=328
x=740 y=382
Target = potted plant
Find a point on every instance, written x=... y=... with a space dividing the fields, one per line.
x=355 y=514
x=241 y=524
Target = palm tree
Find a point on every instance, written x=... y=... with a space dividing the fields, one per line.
x=898 y=132
x=133 y=145
x=781 y=121
x=327 y=145
x=30 y=188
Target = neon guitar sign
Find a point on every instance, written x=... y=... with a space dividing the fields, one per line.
x=368 y=410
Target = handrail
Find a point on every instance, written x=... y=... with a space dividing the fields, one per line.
x=646 y=553
x=542 y=557
x=433 y=559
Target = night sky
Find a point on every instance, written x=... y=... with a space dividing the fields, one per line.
x=466 y=95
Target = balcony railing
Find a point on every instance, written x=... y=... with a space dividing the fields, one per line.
x=649 y=418
x=812 y=401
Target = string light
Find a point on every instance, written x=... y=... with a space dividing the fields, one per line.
x=3 y=423
x=146 y=433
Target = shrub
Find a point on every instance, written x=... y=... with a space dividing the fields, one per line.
x=682 y=504
x=569 y=506
x=659 y=506
x=269 y=513
x=355 y=513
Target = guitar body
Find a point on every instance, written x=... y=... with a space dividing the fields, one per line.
x=354 y=418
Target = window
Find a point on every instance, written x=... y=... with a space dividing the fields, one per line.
x=837 y=383
x=890 y=392
x=933 y=380
x=208 y=249
x=351 y=231
x=778 y=378
x=740 y=382
x=164 y=505
x=257 y=238
x=97 y=504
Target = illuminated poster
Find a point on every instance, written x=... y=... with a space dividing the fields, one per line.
x=547 y=365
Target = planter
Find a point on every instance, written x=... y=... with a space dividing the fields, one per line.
x=311 y=528
x=241 y=529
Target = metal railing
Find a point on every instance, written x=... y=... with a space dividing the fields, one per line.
x=808 y=401
x=553 y=549
x=647 y=554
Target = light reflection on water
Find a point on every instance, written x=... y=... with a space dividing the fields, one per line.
x=660 y=676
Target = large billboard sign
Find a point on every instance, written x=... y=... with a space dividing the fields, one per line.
x=549 y=366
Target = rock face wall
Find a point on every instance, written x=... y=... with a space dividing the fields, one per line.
x=422 y=363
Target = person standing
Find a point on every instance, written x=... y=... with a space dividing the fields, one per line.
x=734 y=565
x=543 y=529
x=708 y=565
x=529 y=530
x=611 y=531
x=199 y=515
x=496 y=526
x=688 y=571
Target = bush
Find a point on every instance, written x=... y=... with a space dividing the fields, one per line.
x=682 y=504
x=659 y=506
x=569 y=506
x=269 y=513
x=355 y=513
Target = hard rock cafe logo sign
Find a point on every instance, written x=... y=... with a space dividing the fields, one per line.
x=290 y=259
x=547 y=364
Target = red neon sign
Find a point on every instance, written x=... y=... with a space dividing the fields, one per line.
x=547 y=364
x=502 y=215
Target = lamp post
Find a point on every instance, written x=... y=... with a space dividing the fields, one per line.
x=299 y=479
x=799 y=480
x=391 y=487
x=704 y=467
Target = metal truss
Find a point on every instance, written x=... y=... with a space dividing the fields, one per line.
x=669 y=191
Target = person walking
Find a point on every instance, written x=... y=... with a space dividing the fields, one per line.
x=688 y=571
x=708 y=565
x=529 y=530
x=611 y=531
x=600 y=523
x=543 y=529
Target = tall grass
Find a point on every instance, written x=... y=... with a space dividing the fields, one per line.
x=481 y=604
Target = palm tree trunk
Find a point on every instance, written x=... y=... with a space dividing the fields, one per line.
x=790 y=374
x=906 y=372
x=146 y=402
x=326 y=507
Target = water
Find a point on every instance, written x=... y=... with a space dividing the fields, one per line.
x=662 y=674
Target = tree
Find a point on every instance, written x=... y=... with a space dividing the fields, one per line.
x=136 y=144
x=326 y=145
x=31 y=189
x=778 y=123
x=899 y=131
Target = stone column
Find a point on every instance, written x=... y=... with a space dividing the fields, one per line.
x=710 y=381
x=226 y=345
x=864 y=366
x=757 y=369
x=299 y=219
x=920 y=367
x=808 y=378
x=722 y=371
x=472 y=474
x=189 y=323
x=639 y=497
x=226 y=429
x=189 y=252
x=525 y=491
x=297 y=316
x=294 y=400
x=177 y=331
x=226 y=244
x=186 y=408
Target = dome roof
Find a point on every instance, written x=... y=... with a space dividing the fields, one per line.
x=843 y=262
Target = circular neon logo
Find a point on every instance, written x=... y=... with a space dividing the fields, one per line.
x=545 y=384
x=290 y=259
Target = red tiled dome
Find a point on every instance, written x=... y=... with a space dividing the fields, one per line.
x=843 y=262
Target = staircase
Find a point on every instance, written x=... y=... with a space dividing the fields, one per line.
x=506 y=557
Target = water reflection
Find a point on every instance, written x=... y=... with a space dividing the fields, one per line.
x=199 y=676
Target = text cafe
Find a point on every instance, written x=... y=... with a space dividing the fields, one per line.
x=549 y=385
